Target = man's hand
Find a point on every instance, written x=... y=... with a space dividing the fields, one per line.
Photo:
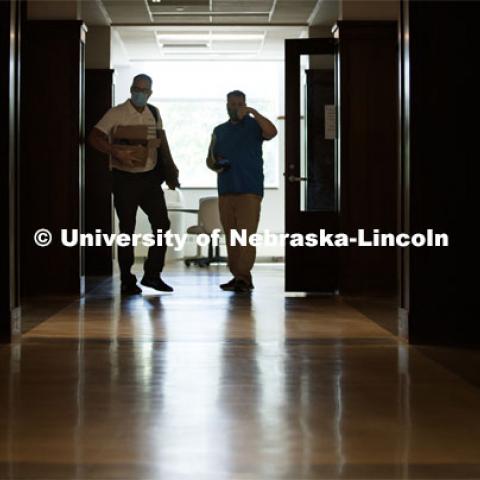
x=127 y=157
x=172 y=184
x=242 y=111
x=222 y=164
x=269 y=130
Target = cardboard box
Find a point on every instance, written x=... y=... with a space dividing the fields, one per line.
x=130 y=135
x=132 y=138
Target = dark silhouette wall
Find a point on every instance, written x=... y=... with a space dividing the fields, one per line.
x=439 y=149
x=10 y=14
x=52 y=159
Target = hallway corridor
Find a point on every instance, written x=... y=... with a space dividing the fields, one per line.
x=207 y=385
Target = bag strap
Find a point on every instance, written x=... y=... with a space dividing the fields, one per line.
x=155 y=115
x=165 y=161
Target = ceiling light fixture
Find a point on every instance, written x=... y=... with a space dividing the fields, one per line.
x=184 y=46
x=212 y=14
x=180 y=37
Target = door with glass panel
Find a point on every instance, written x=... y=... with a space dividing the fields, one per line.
x=311 y=166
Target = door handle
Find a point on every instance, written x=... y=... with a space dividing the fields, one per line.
x=293 y=178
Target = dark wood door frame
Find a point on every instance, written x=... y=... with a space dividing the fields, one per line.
x=304 y=266
x=98 y=196
x=10 y=16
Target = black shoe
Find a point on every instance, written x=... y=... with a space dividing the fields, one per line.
x=156 y=283
x=229 y=286
x=129 y=288
x=242 y=287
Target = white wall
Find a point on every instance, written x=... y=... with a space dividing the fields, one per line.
x=272 y=217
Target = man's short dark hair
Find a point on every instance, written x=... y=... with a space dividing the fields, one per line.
x=143 y=76
x=236 y=93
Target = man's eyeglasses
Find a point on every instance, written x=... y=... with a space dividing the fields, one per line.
x=141 y=90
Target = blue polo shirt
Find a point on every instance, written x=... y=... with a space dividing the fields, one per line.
x=241 y=144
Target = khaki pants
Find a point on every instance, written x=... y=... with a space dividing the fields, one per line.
x=237 y=212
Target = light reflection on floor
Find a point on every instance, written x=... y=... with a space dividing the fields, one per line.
x=204 y=384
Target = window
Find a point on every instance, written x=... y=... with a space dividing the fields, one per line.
x=191 y=97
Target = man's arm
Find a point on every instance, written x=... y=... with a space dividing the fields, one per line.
x=171 y=170
x=269 y=130
x=99 y=141
x=211 y=157
x=164 y=153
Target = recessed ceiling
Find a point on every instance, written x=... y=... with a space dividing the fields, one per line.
x=145 y=44
x=152 y=30
x=215 y=12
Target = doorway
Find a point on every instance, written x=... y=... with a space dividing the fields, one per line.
x=311 y=163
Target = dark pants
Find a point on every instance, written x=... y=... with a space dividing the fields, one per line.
x=130 y=191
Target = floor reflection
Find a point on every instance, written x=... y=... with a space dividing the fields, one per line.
x=204 y=384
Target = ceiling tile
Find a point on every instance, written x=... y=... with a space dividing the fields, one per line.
x=242 y=6
x=127 y=11
x=297 y=11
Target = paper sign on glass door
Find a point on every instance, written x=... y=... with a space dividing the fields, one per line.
x=330 y=122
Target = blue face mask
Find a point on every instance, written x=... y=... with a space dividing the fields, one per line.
x=139 y=99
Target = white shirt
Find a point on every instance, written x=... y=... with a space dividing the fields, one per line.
x=125 y=114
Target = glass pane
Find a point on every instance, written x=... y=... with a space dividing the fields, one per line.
x=317 y=133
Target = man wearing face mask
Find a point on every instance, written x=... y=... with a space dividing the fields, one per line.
x=137 y=183
x=235 y=153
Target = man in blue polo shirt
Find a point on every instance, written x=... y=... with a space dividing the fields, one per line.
x=235 y=153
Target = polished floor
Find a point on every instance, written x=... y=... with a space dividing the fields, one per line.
x=204 y=384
